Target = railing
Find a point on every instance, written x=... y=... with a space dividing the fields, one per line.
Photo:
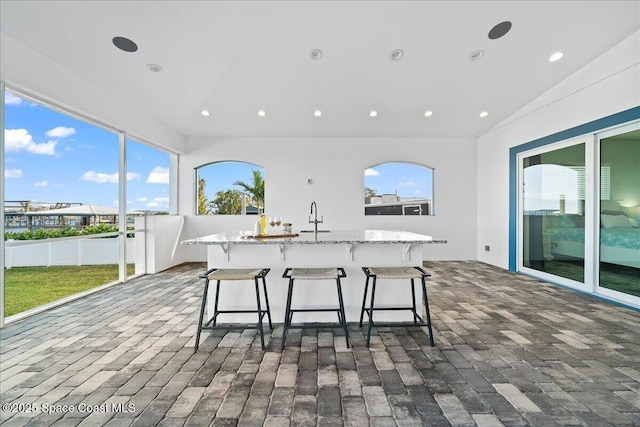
x=77 y=250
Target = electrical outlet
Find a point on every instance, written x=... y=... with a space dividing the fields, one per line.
x=487 y=248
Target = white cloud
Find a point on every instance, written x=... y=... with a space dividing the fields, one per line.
x=13 y=173
x=102 y=178
x=41 y=183
x=19 y=140
x=153 y=204
x=161 y=199
x=11 y=99
x=60 y=132
x=158 y=175
x=142 y=199
x=371 y=172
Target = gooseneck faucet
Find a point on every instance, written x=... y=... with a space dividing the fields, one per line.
x=315 y=222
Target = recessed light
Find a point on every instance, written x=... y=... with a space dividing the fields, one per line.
x=124 y=44
x=205 y=113
x=556 y=56
x=396 y=54
x=315 y=54
x=317 y=113
x=154 y=67
x=476 y=55
x=499 y=30
x=484 y=114
x=262 y=113
x=428 y=113
x=373 y=113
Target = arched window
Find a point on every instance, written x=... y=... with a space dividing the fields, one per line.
x=398 y=188
x=229 y=188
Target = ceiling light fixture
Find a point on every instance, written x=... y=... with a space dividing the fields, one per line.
x=373 y=113
x=484 y=114
x=556 y=56
x=262 y=113
x=124 y=44
x=499 y=30
x=396 y=54
x=154 y=67
x=315 y=54
x=205 y=113
x=317 y=113
x=428 y=113
x=476 y=55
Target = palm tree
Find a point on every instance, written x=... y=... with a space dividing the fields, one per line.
x=203 y=202
x=255 y=189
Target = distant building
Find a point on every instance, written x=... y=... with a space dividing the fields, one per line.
x=25 y=215
x=391 y=204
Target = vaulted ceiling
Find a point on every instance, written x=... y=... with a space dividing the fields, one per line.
x=235 y=58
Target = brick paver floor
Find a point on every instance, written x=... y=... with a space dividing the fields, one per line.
x=510 y=350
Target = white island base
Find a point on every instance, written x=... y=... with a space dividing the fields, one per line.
x=351 y=250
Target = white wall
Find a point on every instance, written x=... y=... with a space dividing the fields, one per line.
x=159 y=247
x=336 y=166
x=608 y=85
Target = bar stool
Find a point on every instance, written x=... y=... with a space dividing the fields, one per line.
x=395 y=273
x=313 y=274
x=233 y=274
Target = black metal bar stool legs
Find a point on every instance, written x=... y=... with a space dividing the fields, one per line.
x=233 y=274
x=313 y=274
x=395 y=273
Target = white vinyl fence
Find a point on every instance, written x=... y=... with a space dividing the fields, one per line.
x=77 y=250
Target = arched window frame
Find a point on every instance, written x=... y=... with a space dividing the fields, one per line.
x=247 y=204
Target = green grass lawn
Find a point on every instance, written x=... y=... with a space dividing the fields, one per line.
x=30 y=287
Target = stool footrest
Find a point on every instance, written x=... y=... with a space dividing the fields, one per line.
x=241 y=311
x=389 y=309
x=328 y=325
x=232 y=326
x=213 y=318
x=398 y=324
x=296 y=310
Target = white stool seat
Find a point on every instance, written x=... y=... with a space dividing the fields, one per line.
x=235 y=274
x=314 y=273
x=396 y=272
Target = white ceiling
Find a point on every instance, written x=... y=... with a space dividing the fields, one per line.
x=237 y=57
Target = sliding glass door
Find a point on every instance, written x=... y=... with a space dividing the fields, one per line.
x=579 y=213
x=619 y=231
x=553 y=211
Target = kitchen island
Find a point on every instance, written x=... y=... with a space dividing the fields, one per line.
x=350 y=249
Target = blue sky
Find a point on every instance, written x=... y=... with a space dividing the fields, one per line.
x=404 y=179
x=52 y=157
x=221 y=176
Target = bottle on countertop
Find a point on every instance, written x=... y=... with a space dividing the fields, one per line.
x=263 y=224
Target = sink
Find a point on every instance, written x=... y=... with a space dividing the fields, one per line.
x=313 y=231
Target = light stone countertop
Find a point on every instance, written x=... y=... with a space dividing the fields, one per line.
x=241 y=237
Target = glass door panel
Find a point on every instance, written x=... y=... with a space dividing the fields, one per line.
x=620 y=213
x=553 y=209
